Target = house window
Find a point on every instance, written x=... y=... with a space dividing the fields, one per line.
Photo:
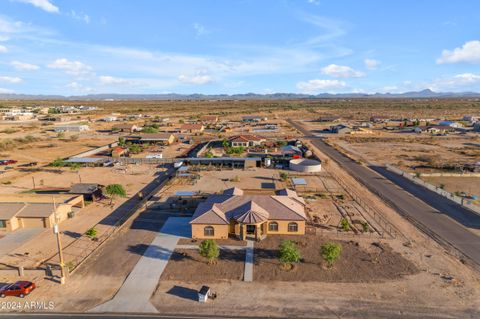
x=273 y=226
x=292 y=227
x=209 y=231
x=3 y=224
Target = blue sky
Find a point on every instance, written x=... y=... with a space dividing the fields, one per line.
x=73 y=47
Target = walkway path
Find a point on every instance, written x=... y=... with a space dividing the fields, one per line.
x=134 y=295
x=248 y=274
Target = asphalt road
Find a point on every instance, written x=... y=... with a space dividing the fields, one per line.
x=435 y=215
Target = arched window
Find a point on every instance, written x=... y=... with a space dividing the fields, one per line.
x=273 y=226
x=292 y=227
x=209 y=231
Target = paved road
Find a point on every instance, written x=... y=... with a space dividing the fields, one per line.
x=134 y=295
x=432 y=213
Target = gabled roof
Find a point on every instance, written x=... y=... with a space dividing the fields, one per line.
x=208 y=213
x=246 y=138
x=191 y=127
x=233 y=191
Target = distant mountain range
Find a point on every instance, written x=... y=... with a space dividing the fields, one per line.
x=248 y=96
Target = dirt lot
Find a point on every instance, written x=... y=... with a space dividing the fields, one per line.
x=373 y=262
x=187 y=265
x=469 y=185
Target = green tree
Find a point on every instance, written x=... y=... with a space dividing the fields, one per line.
x=114 y=190
x=344 y=224
x=149 y=129
x=289 y=253
x=58 y=163
x=92 y=232
x=225 y=144
x=134 y=148
x=209 y=249
x=283 y=176
x=331 y=252
x=121 y=141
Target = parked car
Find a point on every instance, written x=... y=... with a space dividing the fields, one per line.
x=7 y=162
x=20 y=289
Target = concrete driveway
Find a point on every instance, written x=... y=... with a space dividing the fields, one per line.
x=17 y=238
x=134 y=295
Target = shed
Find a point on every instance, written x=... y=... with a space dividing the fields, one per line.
x=90 y=191
x=203 y=294
x=299 y=182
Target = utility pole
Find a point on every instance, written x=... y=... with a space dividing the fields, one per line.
x=56 y=231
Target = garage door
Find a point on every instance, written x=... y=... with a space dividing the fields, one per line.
x=33 y=222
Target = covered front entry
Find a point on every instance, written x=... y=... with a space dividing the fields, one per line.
x=253 y=231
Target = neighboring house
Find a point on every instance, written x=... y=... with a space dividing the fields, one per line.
x=434 y=129
x=109 y=119
x=234 y=213
x=253 y=118
x=470 y=118
x=35 y=211
x=379 y=119
x=71 y=128
x=209 y=119
x=191 y=128
x=246 y=140
x=340 y=129
x=89 y=191
x=450 y=123
x=154 y=138
x=126 y=128
x=291 y=151
x=119 y=151
x=329 y=119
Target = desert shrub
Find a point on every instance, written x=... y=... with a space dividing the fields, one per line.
x=331 y=252
x=283 y=176
x=92 y=232
x=365 y=227
x=149 y=129
x=344 y=224
x=58 y=163
x=209 y=249
x=289 y=253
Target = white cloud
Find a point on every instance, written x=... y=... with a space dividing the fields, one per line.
x=79 y=16
x=316 y=86
x=22 y=66
x=80 y=88
x=71 y=67
x=461 y=81
x=197 y=79
x=200 y=29
x=45 y=5
x=341 y=71
x=469 y=52
x=3 y=49
x=110 y=80
x=315 y=2
x=10 y=79
x=6 y=91
x=371 y=64
x=4 y=38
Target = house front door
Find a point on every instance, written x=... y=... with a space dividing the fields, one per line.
x=251 y=229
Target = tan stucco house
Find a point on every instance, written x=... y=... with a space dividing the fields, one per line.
x=35 y=211
x=241 y=215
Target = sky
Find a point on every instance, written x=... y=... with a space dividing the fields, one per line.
x=77 y=47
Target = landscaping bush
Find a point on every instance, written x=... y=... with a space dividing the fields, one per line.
x=283 y=176
x=209 y=249
x=331 y=252
x=92 y=232
x=344 y=224
x=289 y=253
